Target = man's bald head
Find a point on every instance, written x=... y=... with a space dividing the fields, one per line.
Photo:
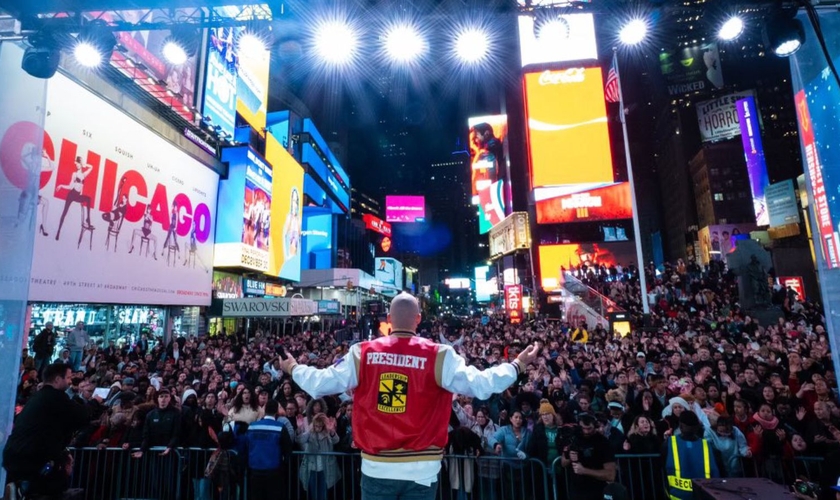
x=405 y=312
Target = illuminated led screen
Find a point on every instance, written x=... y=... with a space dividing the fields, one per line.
x=405 y=208
x=568 y=134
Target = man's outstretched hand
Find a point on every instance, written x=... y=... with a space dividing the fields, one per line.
x=287 y=363
x=530 y=354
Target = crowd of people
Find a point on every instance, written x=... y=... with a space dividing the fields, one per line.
x=764 y=394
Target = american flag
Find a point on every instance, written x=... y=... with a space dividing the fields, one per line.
x=611 y=91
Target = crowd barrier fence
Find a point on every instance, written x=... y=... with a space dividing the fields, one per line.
x=114 y=474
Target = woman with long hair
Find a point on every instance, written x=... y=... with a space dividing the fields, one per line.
x=245 y=407
x=74 y=190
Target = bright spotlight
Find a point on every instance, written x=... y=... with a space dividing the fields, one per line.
x=472 y=45
x=251 y=45
x=174 y=53
x=404 y=43
x=94 y=45
x=336 y=42
x=731 y=29
x=783 y=35
x=87 y=55
x=634 y=32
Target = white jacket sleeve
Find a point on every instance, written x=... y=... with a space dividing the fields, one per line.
x=458 y=378
x=335 y=379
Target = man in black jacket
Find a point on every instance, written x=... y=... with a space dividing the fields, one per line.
x=43 y=346
x=35 y=454
x=162 y=427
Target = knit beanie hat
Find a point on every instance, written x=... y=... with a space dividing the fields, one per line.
x=546 y=407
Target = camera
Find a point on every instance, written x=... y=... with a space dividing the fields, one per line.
x=806 y=488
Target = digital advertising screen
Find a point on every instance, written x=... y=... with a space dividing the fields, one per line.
x=244 y=215
x=718 y=118
x=286 y=212
x=405 y=208
x=554 y=258
x=568 y=133
x=123 y=216
x=278 y=124
x=220 y=101
x=754 y=153
x=252 y=83
x=817 y=114
x=377 y=225
x=782 y=206
x=718 y=241
x=583 y=203
x=546 y=37
x=317 y=238
x=227 y=285
x=692 y=69
x=390 y=272
x=488 y=164
x=485 y=284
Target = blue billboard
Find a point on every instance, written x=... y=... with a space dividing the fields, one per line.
x=219 y=105
x=317 y=238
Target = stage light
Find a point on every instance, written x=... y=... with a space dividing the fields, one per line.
x=94 y=45
x=335 y=42
x=731 y=29
x=784 y=35
x=404 y=43
x=180 y=45
x=472 y=45
x=634 y=32
x=251 y=44
x=41 y=57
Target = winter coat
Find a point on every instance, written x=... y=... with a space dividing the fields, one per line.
x=317 y=447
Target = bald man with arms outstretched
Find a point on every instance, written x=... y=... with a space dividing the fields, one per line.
x=402 y=402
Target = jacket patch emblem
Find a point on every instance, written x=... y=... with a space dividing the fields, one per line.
x=393 y=393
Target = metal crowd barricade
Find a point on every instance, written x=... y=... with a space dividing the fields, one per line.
x=113 y=474
x=492 y=478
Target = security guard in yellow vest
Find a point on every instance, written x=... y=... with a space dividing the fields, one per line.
x=688 y=456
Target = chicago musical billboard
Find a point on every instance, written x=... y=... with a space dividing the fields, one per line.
x=568 y=134
x=123 y=216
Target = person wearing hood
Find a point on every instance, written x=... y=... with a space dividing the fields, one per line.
x=189 y=414
x=688 y=456
x=728 y=441
x=676 y=407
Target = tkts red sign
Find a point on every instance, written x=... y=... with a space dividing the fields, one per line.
x=377 y=224
x=513 y=302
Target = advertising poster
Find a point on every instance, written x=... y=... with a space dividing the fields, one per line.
x=227 y=285
x=795 y=283
x=317 y=238
x=754 y=153
x=377 y=225
x=554 y=258
x=514 y=233
x=692 y=69
x=580 y=203
x=568 y=133
x=219 y=104
x=172 y=85
x=390 y=272
x=488 y=164
x=564 y=37
x=718 y=118
x=405 y=208
x=718 y=241
x=244 y=216
x=485 y=284
x=286 y=211
x=124 y=216
x=252 y=83
x=781 y=203
x=818 y=118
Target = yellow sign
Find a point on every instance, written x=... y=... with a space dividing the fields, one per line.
x=510 y=235
x=252 y=84
x=286 y=211
x=393 y=392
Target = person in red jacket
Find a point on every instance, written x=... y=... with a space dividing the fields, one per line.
x=402 y=402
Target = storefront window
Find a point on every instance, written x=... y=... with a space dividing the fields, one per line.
x=120 y=323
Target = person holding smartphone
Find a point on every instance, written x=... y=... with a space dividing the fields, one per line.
x=404 y=383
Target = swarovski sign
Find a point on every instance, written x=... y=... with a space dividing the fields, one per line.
x=268 y=308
